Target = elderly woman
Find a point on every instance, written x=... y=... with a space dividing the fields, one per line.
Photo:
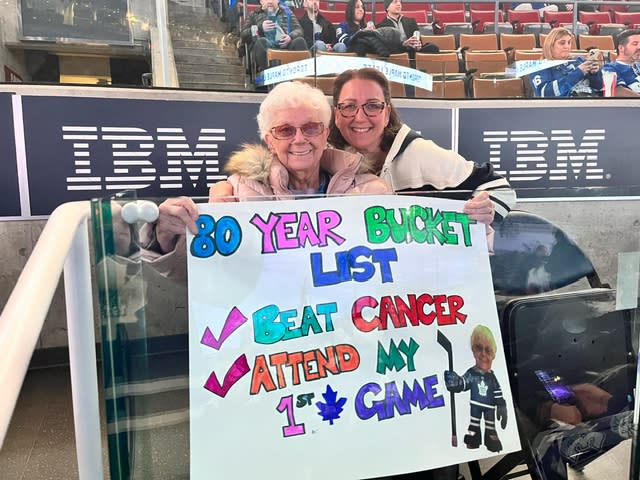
x=577 y=77
x=294 y=124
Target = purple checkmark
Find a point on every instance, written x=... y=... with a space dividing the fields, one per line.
x=231 y=324
x=238 y=370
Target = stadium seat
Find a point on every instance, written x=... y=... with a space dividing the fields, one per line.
x=449 y=6
x=601 y=42
x=523 y=41
x=323 y=83
x=629 y=19
x=402 y=59
x=485 y=62
x=449 y=86
x=618 y=6
x=483 y=41
x=334 y=16
x=448 y=16
x=282 y=57
x=594 y=17
x=482 y=7
x=559 y=17
x=419 y=16
x=484 y=16
x=498 y=87
x=527 y=55
x=444 y=42
x=523 y=16
x=438 y=63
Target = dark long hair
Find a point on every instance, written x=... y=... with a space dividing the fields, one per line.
x=350 y=15
x=390 y=131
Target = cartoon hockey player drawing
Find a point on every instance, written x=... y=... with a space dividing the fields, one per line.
x=486 y=394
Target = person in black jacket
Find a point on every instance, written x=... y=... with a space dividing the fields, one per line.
x=406 y=25
x=319 y=33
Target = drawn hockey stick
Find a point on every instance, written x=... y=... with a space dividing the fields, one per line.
x=446 y=344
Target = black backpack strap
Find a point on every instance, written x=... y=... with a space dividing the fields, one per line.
x=411 y=136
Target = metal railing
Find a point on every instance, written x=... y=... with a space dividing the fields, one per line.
x=62 y=246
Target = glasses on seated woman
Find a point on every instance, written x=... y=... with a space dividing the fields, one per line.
x=286 y=131
x=370 y=109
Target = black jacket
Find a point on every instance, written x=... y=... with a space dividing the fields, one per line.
x=381 y=41
x=328 y=34
x=409 y=25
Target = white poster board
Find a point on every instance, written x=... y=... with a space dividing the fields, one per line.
x=313 y=338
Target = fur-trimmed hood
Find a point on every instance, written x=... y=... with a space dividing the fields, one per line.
x=254 y=162
x=255 y=171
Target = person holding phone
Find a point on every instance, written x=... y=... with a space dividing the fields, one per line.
x=271 y=27
x=575 y=77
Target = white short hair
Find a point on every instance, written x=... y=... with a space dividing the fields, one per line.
x=292 y=95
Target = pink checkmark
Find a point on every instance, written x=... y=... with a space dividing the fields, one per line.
x=231 y=324
x=238 y=370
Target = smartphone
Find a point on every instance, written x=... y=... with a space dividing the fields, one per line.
x=557 y=391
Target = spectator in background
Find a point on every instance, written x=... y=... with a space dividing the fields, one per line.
x=319 y=33
x=271 y=27
x=625 y=66
x=407 y=27
x=577 y=77
x=354 y=22
x=539 y=6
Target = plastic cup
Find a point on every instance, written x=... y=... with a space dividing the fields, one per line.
x=609 y=83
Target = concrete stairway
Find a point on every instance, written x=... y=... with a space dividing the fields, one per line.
x=206 y=57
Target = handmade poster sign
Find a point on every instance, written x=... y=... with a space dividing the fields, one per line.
x=343 y=338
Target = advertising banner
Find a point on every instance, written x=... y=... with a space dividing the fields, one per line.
x=432 y=123
x=94 y=147
x=10 y=204
x=320 y=332
x=555 y=152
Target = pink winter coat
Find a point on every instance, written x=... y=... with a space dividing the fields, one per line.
x=256 y=172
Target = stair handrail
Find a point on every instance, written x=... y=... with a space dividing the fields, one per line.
x=62 y=245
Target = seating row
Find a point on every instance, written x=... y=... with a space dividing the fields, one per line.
x=530 y=41
x=481 y=75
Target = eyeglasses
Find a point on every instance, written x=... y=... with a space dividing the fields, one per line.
x=286 y=131
x=370 y=109
x=482 y=348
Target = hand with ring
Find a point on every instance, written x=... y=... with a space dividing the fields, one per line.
x=480 y=208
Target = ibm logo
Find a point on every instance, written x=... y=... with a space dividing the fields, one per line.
x=534 y=158
x=131 y=149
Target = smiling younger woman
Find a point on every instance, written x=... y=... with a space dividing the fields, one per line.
x=365 y=121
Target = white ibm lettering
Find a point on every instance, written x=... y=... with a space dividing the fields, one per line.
x=534 y=156
x=131 y=149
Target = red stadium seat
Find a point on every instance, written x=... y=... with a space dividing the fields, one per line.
x=627 y=18
x=448 y=16
x=482 y=7
x=523 y=16
x=484 y=16
x=614 y=7
x=420 y=16
x=251 y=8
x=426 y=6
x=560 y=17
x=448 y=6
x=595 y=17
x=334 y=16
